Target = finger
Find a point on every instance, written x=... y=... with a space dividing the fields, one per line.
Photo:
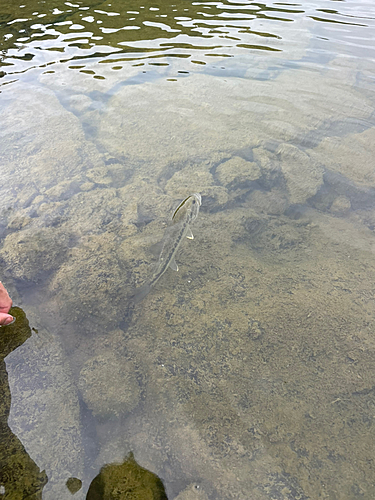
x=5 y=300
x=6 y=319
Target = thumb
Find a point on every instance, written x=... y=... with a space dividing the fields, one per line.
x=6 y=319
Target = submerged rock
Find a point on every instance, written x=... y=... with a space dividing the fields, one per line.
x=351 y=156
x=126 y=481
x=341 y=205
x=73 y=484
x=270 y=202
x=236 y=172
x=93 y=275
x=303 y=177
x=109 y=385
x=189 y=180
x=30 y=253
x=99 y=175
x=215 y=198
x=63 y=190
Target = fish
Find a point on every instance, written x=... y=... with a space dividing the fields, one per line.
x=183 y=216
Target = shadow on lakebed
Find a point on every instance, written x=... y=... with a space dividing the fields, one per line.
x=20 y=477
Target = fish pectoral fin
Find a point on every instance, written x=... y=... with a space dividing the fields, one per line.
x=173 y=265
x=189 y=234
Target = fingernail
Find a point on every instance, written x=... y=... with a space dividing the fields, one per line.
x=9 y=321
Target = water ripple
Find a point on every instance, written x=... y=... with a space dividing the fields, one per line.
x=39 y=35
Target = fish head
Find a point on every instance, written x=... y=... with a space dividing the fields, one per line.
x=189 y=205
x=198 y=198
x=196 y=202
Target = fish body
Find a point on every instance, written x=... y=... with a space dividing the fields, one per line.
x=182 y=217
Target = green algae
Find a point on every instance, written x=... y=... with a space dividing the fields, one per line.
x=126 y=481
x=73 y=484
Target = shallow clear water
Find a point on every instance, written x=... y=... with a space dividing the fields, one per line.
x=249 y=373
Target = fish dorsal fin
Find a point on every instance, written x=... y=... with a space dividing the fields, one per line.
x=173 y=265
x=189 y=234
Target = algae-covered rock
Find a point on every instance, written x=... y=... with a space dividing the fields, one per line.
x=144 y=201
x=64 y=189
x=277 y=236
x=264 y=156
x=189 y=180
x=351 y=156
x=30 y=253
x=92 y=286
x=270 y=202
x=126 y=481
x=109 y=385
x=99 y=175
x=95 y=211
x=215 y=198
x=15 y=334
x=26 y=195
x=341 y=205
x=73 y=484
x=87 y=186
x=302 y=175
x=237 y=172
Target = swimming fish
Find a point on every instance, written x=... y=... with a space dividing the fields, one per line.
x=183 y=216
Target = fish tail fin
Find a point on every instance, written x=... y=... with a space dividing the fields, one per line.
x=141 y=293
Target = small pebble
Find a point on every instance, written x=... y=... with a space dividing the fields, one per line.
x=74 y=484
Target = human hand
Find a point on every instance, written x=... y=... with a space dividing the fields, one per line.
x=5 y=305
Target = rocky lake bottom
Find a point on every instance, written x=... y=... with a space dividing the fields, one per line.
x=250 y=372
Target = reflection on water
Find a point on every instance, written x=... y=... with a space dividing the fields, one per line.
x=153 y=34
x=137 y=32
x=249 y=373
